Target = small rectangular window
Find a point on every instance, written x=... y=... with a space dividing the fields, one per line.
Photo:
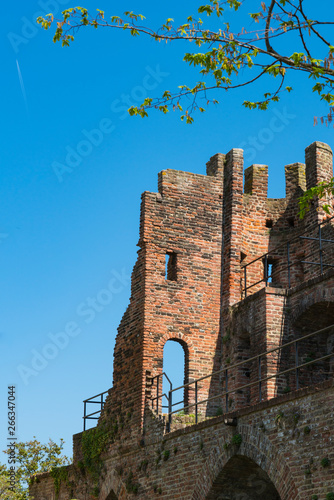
x=171 y=267
x=269 y=270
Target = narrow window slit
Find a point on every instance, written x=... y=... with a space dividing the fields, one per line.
x=170 y=266
x=270 y=270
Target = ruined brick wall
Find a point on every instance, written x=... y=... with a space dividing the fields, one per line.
x=184 y=221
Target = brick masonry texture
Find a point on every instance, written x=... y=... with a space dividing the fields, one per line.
x=214 y=303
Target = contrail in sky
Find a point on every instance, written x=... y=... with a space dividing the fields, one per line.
x=22 y=85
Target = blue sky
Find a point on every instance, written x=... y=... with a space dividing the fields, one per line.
x=63 y=237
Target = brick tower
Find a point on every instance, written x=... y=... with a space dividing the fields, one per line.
x=209 y=228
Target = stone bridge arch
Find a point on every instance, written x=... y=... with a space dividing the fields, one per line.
x=260 y=468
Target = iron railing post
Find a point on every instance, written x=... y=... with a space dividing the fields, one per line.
x=226 y=389
x=320 y=250
x=157 y=409
x=245 y=277
x=266 y=269
x=196 y=409
x=84 y=416
x=170 y=406
x=289 y=277
x=297 y=364
x=260 y=382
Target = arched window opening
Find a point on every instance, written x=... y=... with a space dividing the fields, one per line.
x=175 y=366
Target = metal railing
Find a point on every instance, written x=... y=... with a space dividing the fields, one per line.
x=265 y=258
x=155 y=401
x=159 y=388
x=96 y=414
x=226 y=371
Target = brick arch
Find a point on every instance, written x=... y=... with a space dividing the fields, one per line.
x=256 y=447
x=319 y=295
x=181 y=338
x=314 y=316
x=188 y=350
x=113 y=485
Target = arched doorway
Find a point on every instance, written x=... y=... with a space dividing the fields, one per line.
x=242 y=479
x=175 y=365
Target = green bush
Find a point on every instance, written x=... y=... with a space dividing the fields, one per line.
x=237 y=439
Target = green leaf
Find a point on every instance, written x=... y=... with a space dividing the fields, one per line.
x=164 y=108
x=166 y=95
x=133 y=110
x=234 y=4
x=205 y=8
